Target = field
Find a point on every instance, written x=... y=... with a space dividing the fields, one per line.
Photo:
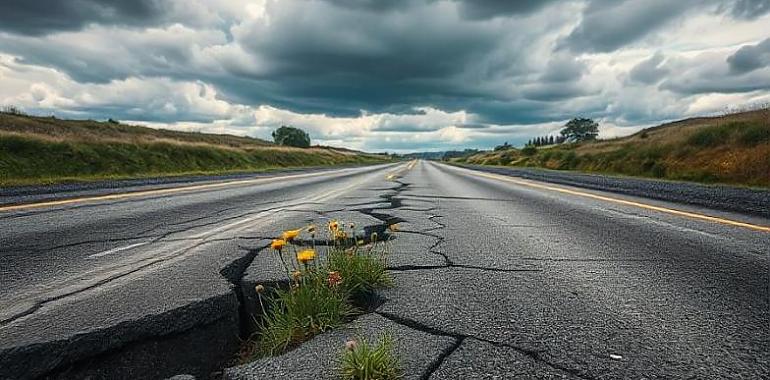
x=731 y=149
x=44 y=150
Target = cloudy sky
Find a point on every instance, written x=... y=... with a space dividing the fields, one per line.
x=396 y=75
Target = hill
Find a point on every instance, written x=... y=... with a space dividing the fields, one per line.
x=732 y=149
x=42 y=150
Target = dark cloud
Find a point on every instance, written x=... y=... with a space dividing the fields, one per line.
x=649 y=71
x=484 y=9
x=36 y=17
x=714 y=73
x=750 y=57
x=608 y=24
x=747 y=9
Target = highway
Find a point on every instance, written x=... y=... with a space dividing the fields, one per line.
x=529 y=278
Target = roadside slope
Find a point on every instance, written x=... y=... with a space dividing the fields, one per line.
x=45 y=150
x=731 y=149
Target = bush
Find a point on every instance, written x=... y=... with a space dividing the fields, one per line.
x=290 y=136
x=529 y=150
x=711 y=136
x=363 y=361
x=754 y=134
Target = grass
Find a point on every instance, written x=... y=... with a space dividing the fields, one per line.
x=302 y=312
x=36 y=150
x=732 y=149
x=322 y=287
x=364 y=361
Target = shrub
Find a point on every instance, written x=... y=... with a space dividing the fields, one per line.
x=291 y=136
x=529 y=150
x=364 y=361
x=754 y=134
x=711 y=136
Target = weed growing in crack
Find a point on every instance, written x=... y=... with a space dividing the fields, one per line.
x=322 y=285
x=364 y=361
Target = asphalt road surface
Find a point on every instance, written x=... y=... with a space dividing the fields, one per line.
x=528 y=278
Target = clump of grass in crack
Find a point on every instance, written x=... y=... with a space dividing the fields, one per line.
x=322 y=286
x=365 y=361
x=302 y=312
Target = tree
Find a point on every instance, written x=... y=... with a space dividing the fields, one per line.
x=580 y=129
x=505 y=146
x=550 y=140
x=291 y=136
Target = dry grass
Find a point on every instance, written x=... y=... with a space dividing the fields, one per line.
x=44 y=150
x=733 y=149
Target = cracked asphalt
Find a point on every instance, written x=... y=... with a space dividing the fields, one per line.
x=493 y=280
x=542 y=284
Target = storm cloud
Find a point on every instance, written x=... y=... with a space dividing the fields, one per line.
x=457 y=71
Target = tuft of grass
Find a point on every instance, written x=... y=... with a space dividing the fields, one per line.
x=300 y=313
x=364 y=361
x=321 y=292
x=362 y=273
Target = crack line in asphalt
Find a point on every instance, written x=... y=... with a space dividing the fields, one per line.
x=534 y=354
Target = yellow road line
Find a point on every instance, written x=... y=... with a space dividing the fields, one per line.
x=397 y=173
x=687 y=214
x=154 y=192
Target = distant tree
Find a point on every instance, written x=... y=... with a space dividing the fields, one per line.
x=112 y=121
x=505 y=146
x=550 y=140
x=13 y=110
x=580 y=129
x=560 y=139
x=291 y=136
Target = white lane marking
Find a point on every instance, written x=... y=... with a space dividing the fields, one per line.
x=116 y=250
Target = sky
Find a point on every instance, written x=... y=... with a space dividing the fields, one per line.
x=377 y=75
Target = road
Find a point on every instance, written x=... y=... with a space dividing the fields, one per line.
x=527 y=278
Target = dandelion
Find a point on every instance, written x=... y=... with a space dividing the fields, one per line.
x=351 y=345
x=340 y=235
x=260 y=289
x=393 y=227
x=290 y=234
x=278 y=244
x=305 y=256
x=334 y=279
x=334 y=225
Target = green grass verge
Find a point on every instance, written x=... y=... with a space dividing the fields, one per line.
x=26 y=160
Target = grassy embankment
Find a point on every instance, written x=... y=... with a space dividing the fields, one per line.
x=732 y=149
x=44 y=150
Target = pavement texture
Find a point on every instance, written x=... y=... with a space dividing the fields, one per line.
x=493 y=280
x=320 y=357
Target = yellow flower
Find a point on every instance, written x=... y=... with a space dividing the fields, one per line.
x=334 y=225
x=278 y=244
x=311 y=228
x=290 y=234
x=306 y=255
x=393 y=227
x=296 y=275
x=340 y=235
